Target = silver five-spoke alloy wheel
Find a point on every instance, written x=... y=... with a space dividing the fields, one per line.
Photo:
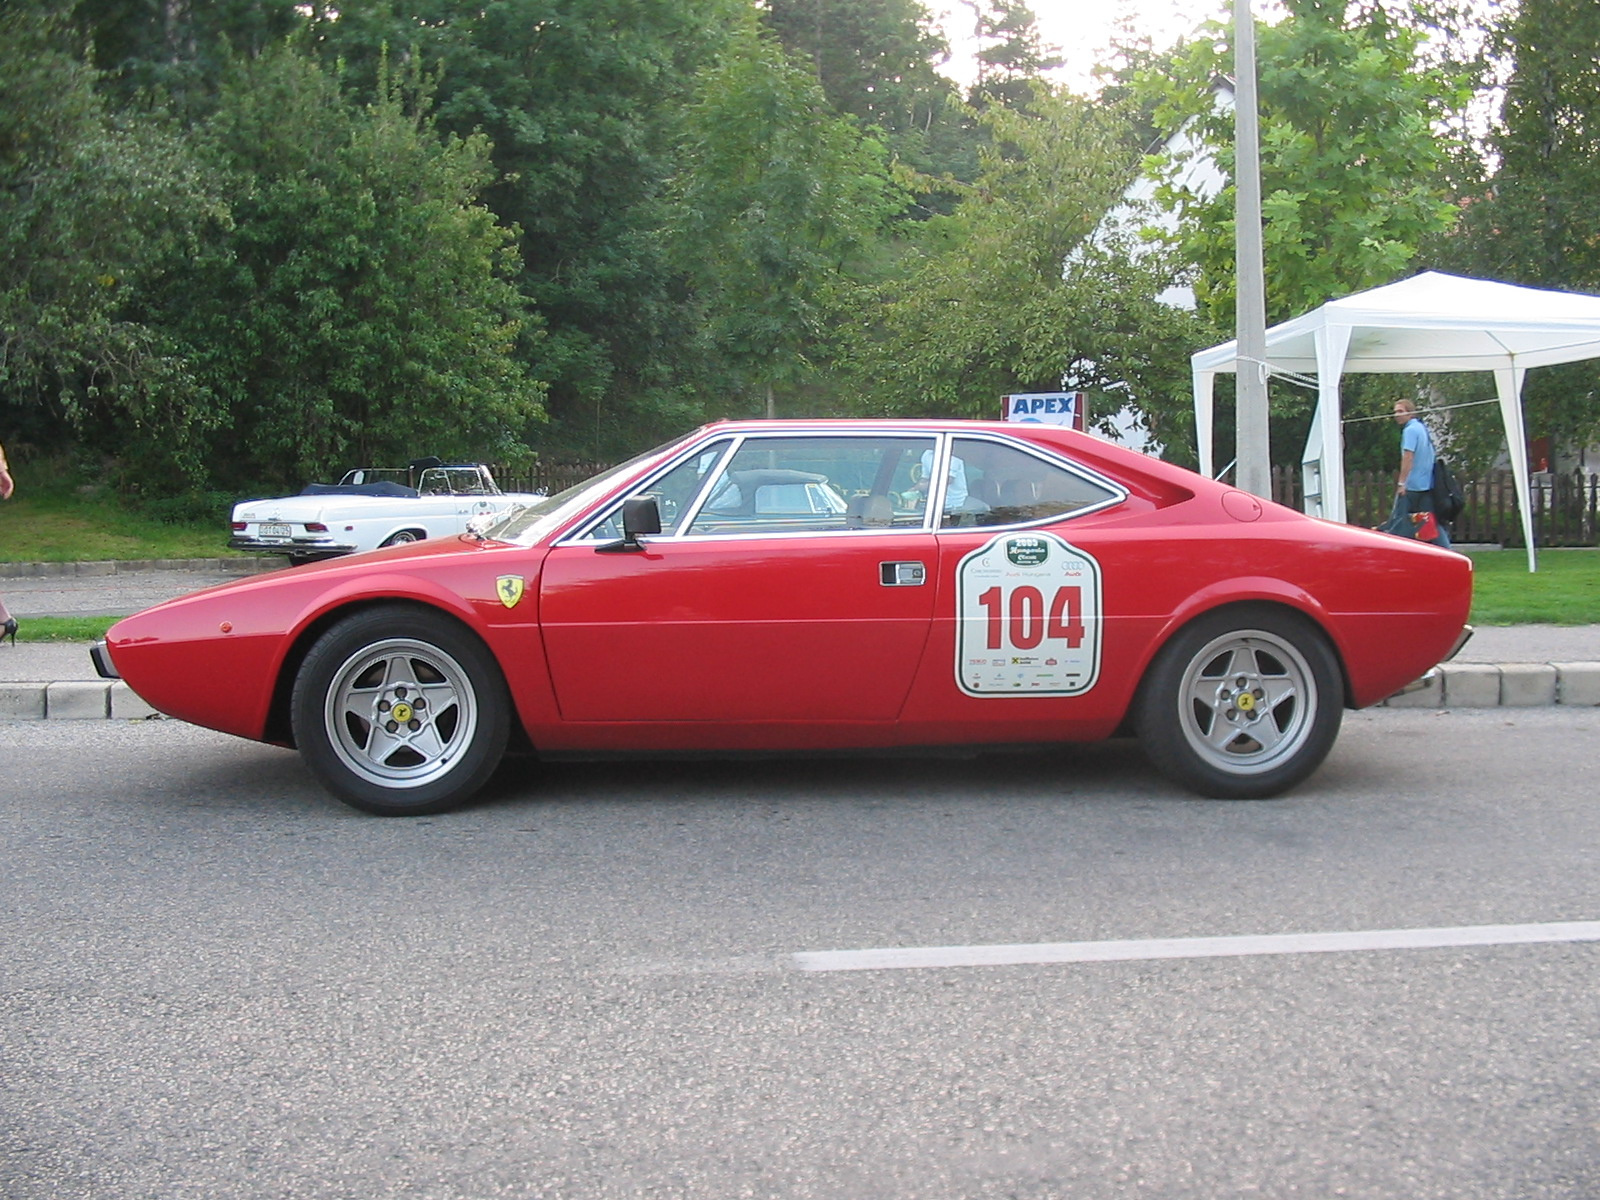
x=1250 y=696
x=1243 y=702
x=400 y=710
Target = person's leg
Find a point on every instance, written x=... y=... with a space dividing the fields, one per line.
x=1399 y=522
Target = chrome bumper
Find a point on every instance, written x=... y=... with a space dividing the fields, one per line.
x=294 y=546
x=100 y=656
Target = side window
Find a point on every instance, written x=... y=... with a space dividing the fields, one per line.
x=816 y=484
x=673 y=492
x=1003 y=485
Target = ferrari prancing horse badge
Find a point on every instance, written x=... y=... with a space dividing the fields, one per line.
x=509 y=589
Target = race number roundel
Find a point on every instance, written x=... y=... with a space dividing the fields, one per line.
x=1028 y=618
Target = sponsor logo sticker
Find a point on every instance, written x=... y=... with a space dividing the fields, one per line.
x=1028 y=618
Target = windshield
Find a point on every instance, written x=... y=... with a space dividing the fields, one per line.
x=526 y=524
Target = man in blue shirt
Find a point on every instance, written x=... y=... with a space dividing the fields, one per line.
x=1415 y=481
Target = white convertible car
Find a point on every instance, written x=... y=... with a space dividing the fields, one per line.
x=372 y=507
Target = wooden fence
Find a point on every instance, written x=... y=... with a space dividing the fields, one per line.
x=1566 y=506
x=546 y=477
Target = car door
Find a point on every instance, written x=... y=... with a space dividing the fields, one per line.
x=1023 y=575
x=807 y=604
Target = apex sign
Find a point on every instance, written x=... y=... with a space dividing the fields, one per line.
x=1047 y=408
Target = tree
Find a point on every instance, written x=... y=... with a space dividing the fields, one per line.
x=1537 y=221
x=874 y=59
x=1353 y=170
x=178 y=48
x=774 y=199
x=1355 y=158
x=1011 y=52
x=89 y=203
x=1023 y=289
x=578 y=99
x=877 y=60
x=356 y=307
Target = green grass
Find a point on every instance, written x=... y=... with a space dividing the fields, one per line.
x=65 y=629
x=1565 y=590
x=55 y=526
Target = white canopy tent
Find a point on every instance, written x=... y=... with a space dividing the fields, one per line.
x=1431 y=322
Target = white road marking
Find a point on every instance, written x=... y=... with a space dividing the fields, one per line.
x=902 y=958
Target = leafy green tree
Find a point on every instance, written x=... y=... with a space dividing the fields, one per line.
x=1538 y=221
x=877 y=60
x=1356 y=158
x=1023 y=288
x=89 y=203
x=579 y=99
x=776 y=199
x=178 y=48
x=874 y=58
x=356 y=307
x=1352 y=169
x=1011 y=51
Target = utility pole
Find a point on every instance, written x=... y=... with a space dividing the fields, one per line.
x=1252 y=445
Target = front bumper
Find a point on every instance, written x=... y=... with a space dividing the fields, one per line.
x=100 y=656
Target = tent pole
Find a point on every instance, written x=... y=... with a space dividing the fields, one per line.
x=1508 y=386
x=1204 y=401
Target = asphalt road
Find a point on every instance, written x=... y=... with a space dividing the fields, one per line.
x=113 y=595
x=217 y=982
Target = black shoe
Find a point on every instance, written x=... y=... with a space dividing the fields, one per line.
x=9 y=630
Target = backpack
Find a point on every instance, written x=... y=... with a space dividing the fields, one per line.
x=1448 y=498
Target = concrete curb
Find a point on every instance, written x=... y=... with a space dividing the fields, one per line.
x=1506 y=685
x=72 y=700
x=135 y=566
x=1454 y=685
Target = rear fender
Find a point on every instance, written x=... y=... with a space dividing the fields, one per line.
x=1246 y=591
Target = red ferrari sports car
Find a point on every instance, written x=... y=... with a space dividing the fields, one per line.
x=790 y=586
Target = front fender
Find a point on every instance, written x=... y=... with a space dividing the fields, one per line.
x=328 y=607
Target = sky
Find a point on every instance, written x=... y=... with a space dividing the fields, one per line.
x=1081 y=30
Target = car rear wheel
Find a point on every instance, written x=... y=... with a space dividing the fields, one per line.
x=1243 y=703
x=400 y=711
x=404 y=538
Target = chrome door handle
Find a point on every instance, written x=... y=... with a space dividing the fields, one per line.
x=902 y=574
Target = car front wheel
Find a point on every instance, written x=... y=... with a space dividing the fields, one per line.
x=400 y=711
x=1243 y=703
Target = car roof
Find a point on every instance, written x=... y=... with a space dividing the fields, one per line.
x=1089 y=449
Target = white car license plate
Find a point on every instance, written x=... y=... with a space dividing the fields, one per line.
x=275 y=531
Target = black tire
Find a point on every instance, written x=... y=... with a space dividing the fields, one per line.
x=400 y=711
x=404 y=538
x=1242 y=703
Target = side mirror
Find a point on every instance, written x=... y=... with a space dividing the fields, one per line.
x=640 y=517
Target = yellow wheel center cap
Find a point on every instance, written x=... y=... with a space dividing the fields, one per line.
x=1246 y=702
x=401 y=712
